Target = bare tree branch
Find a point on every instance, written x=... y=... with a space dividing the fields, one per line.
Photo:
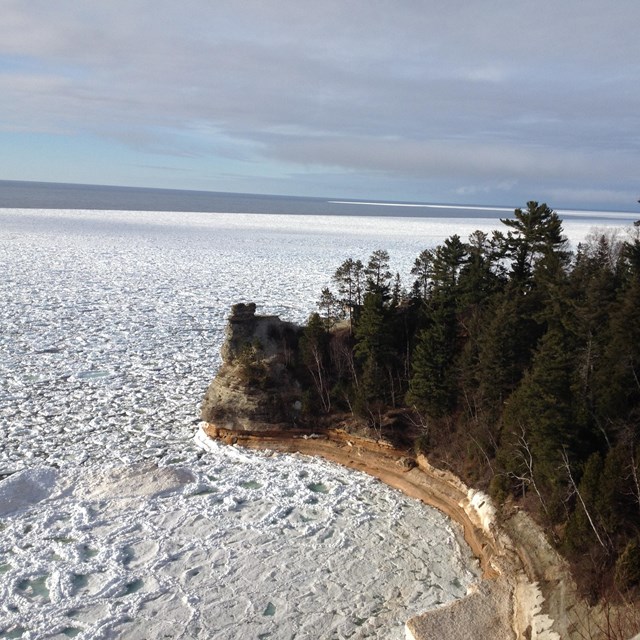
x=525 y=456
x=567 y=466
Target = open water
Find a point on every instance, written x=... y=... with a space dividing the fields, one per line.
x=45 y=195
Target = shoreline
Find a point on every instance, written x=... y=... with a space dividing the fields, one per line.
x=514 y=556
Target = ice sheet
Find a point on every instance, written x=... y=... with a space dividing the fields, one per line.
x=110 y=330
x=238 y=544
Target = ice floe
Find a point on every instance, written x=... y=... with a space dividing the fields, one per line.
x=253 y=545
x=114 y=522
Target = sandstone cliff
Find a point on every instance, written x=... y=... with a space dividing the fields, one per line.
x=256 y=388
x=256 y=401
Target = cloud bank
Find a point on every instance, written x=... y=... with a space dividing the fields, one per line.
x=427 y=100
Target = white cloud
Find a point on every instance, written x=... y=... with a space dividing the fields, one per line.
x=490 y=73
x=462 y=158
x=475 y=94
x=484 y=189
x=623 y=198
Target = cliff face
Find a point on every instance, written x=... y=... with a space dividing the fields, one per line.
x=530 y=593
x=255 y=389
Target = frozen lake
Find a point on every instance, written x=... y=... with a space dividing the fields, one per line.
x=118 y=525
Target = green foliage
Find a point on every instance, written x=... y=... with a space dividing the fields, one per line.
x=540 y=411
x=447 y=261
x=378 y=274
x=373 y=346
x=329 y=306
x=314 y=343
x=618 y=376
x=505 y=347
x=631 y=253
x=580 y=534
x=627 y=570
x=372 y=337
x=422 y=270
x=432 y=388
x=525 y=366
x=349 y=278
x=499 y=488
x=251 y=365
x=612 y=497
x=481 y=276
x=314 y=350
x=592 y=289
x=534 y=239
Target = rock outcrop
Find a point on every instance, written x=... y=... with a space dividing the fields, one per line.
x=256 y=401
x=256 y=387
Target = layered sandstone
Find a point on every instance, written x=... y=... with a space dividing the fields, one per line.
x=255 y=388
x=255 y=401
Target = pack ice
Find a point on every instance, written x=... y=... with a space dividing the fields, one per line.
x=113 y=523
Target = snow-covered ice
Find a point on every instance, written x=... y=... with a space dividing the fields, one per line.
x=237 y=544
x=112 y=322
x=113 y=523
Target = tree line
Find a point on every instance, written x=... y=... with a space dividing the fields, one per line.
x=510 y=359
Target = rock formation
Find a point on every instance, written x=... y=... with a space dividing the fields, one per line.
x=256 y=388
x=256 y=400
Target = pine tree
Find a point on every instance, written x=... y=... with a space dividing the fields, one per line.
x=631 y=252
x=432 y=388
x=480 y=276
x=372 y=347
x=542 y=408
x=617 y=375
x=397 y=292
x=349 y=279
x=505 y=347
x=584 y=522
x=377 y=274
x=535 y=233
x=314 y=349
x=329 y=306
x=422 y=270
x=614 y=501
x=447 y=263
x=593 y=285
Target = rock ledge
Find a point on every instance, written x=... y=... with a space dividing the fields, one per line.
x=255 y=388
x=256 y=401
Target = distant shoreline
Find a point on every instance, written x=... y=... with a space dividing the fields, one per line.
x=16 y=194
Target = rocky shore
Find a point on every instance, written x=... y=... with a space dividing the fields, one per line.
x=525 y=581
x=527 y=590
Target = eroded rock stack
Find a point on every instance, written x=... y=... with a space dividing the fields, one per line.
x=256 y=388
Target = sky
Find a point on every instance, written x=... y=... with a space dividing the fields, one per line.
x=448 y=101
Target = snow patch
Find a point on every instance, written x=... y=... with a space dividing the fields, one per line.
x=134 y=481
x=529 y=598
x=26 y=488
x=261 y=544
x=481 y=506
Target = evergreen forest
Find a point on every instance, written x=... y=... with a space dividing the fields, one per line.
x=510 y=360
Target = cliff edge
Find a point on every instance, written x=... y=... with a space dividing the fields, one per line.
x=255 y=388
x=256 y=401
